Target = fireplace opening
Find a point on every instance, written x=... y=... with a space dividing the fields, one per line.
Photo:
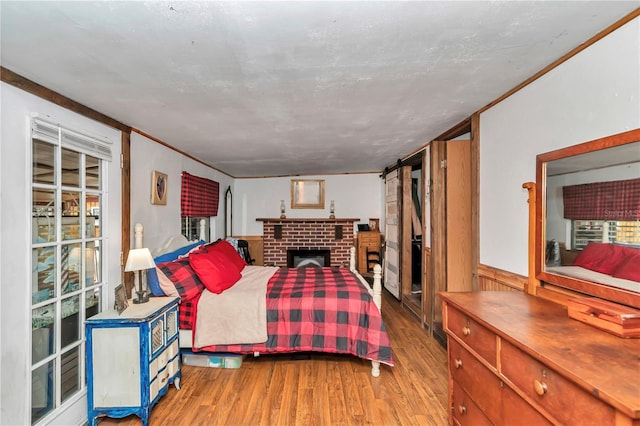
x=305 y=257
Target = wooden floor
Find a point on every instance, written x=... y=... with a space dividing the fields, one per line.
x=319 y=390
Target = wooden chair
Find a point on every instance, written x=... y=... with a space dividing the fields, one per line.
x=373 y=258
x=243 y=246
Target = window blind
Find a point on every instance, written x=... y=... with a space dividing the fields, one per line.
x=54 y=133
x=613 y=200
x=199 y=196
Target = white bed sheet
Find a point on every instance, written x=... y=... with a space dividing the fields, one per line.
x=589 y=275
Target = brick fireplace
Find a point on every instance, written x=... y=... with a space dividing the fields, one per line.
x=280 y=235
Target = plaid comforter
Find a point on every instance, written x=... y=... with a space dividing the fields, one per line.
x=315 y=310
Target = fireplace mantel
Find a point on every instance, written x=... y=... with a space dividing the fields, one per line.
x=305 y=219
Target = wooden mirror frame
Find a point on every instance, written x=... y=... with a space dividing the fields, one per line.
x=614 y=294
x=307 y=193
x=228 y=213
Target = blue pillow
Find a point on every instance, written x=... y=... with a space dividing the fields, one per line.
x=152 y=275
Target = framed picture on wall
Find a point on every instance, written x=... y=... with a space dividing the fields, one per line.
x=307 y=194
x=159 y=188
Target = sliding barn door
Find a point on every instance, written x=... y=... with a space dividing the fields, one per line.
x=391 y=233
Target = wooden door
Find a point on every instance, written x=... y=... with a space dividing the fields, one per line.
x=451 y=222
x=458 y=215
x=433 y=312
x=391 y=233
x=412 y=272
x=406 y=225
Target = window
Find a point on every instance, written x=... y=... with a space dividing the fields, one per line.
x=622 y=231
x=191 y=227
x=68 y=197
x=199 y=199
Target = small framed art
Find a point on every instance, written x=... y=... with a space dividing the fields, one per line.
x=158 y=188
x=121 y=299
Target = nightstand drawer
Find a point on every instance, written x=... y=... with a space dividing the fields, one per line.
x=174 y=366
x=173 y=349
x=161 y=361
x=569 y=403
x=159 y=383
x=477 y=337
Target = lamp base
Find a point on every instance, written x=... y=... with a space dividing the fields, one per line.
x=143 y=297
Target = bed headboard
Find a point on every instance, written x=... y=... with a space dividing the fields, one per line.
x=174 y=242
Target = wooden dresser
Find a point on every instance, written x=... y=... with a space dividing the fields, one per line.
x=367 y=240
x=515 y=359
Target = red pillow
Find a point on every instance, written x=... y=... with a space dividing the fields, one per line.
x=629 y=269
x=215 y=271
x=595 y=256
x=183 y=277
x=229 y=252
x=603 y=257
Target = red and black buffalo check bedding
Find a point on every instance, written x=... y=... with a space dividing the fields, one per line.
x=314 y=309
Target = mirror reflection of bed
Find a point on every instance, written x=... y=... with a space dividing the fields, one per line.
x=590 y=216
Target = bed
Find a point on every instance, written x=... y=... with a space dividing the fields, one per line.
x=272 y=310
x=611 y=264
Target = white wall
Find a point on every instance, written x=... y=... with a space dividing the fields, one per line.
x=355 y=196
x=594 y=94
x=15 y=263
x=162 y=221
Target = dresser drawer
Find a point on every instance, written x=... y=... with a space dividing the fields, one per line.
x=464 y=410
x=368 y=239
x=473 y=334
x=516 y=411
x=567 y=402
x=475 y=379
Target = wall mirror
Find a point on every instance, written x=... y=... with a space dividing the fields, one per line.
x=228 y=213
x=307 y=194
x=589 y=195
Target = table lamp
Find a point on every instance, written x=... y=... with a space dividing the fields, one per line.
x=138 y=261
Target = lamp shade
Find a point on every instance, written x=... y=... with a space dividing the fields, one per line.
x=139 y=259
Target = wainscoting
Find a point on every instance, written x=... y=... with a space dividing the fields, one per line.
x=494 y=279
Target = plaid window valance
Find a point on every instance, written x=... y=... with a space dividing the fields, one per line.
x=199 y=196
x=614 y=200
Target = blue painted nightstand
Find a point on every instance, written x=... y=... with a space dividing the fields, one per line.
x=132 y=358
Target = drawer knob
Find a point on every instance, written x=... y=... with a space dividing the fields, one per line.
x=462 y=409
x=466 y=331
x=540 y=387
x=458 y=363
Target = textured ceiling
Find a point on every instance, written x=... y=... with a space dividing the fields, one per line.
x=286 y=88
